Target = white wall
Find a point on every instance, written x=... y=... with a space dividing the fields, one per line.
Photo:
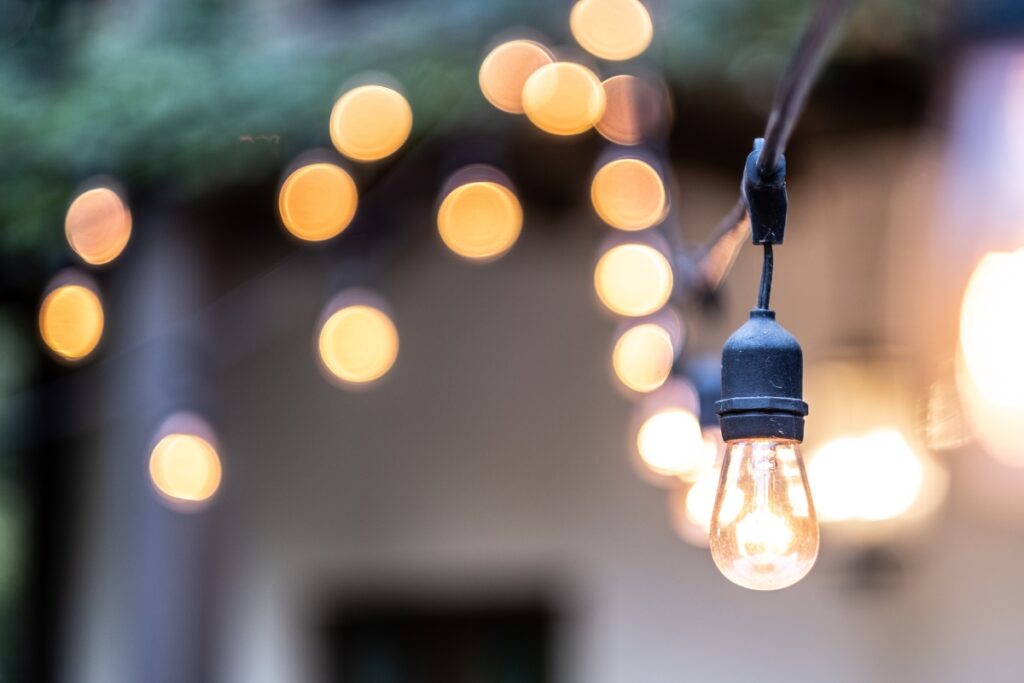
x=494 y=458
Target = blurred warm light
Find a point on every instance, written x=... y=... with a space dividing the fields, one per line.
x=700 y=501
x=97 y=225
x=71 y=321
x=480 y=220
x=629 y=194
x=563 y=98
x=370 y=122
x=991 y=329
x=358 y=343
x=872 y=477
x=633 y=279
x=643 y=356
x=636 y=110
x=317 y=201
x=505 y=70
x=611 y=29
x=692 y=506
x=990 y=364
x=185 y=468
x=997 y=425
x=670 y=443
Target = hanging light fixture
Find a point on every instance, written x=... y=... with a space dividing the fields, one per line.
x=764 y=532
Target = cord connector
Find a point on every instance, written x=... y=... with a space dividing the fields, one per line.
x=765 y=194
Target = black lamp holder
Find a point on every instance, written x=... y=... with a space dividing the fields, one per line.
x=762 y=364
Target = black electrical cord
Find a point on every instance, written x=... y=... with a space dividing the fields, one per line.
x=764 y=294
x=717 y=255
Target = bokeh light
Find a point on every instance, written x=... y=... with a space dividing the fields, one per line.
x=612 y=29
x=506 y=69
x=870 y=477
x=357 y=342
x=867 y=407
x=184 y=467
x=670 y=443
x=991 y=331
x=563 y=98
x=692 y=507
x=633 y=279
x=370 y=122
x=98 y=225
x=643 y=357
x=71 y=319
x=997 y=425
x=637 y=109
x=480 y=218
x=317 y=201
x=629 y=194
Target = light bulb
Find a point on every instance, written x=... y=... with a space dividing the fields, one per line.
x=764 y=532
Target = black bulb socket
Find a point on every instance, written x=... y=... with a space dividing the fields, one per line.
x=762 y=382
x=766 y=198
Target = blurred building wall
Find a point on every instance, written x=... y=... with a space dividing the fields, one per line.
x=492 y=461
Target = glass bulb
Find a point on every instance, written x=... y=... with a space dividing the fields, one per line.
x=764 y=533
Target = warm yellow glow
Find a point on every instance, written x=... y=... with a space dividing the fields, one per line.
x=633 y=279
x=629 y=194
x=643 y=356
x=358 y=344
x=636 y=110
x=370 y=122
x=185 y=467
x=700 y=499
x=997 y=426
x=505 y=70
x=990 y=364
x=991 y=329
x=480 y=220
x=670 y=443
x=71 y=321
x=563 y=98
x=317 y=202
x=764 y=532
x=98 y=225
x=871 y=477
x=611 y=29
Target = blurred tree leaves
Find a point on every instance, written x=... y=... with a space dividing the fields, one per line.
x=177 y=98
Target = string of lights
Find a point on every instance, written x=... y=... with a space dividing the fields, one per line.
x=480 y=218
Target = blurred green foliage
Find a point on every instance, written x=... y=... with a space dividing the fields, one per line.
x=178 y=98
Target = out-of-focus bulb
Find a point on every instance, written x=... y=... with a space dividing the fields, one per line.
x=670 y=444
x=505 y=70
x=71 y=321
x=612 y=29
x=563 y=98
x=185 y=468
x=98 y=225
x=317 y=201
x=480 y=220
x=989 y=333
x=764 y=531
x=370 y=122
x=844 y=468
x=629 y=194
x=633 y=279
x=358 y=344
x=643 y=356
x=990 y=367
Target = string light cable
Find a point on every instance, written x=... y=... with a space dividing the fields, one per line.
x=715 y=258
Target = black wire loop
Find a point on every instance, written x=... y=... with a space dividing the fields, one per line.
x=719 y=252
